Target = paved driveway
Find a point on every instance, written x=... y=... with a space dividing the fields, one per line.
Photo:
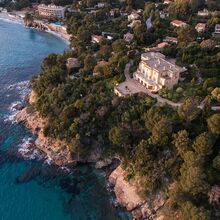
x=131 y=86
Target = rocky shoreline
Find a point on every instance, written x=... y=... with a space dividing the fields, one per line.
x=127 y=196
x=58 y=152
x=54 y=149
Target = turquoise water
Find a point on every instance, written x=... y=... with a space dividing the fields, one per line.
x=31 y=189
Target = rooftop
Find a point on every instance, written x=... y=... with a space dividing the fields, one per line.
x=162 y=44
x=217 y=26
x=170 y=39
x=157 y=61
x=52 y=6
x=203 y=12
x=178 y=22
x=200 y=25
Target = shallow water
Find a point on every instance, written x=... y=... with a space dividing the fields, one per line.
x=29 y=188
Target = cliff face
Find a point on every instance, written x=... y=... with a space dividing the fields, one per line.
x=56 y=150
x=126 y=194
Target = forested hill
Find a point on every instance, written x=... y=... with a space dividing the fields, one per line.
x=157 y=144
x=173 y=151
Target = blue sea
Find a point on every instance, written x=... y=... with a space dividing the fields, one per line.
x=30 y=189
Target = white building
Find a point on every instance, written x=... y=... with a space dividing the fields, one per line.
x=133 y=16
x=170 y=39
x=200 y=27
x=51 y=11
x=178 y=23
x=217 y=29
x=128 y=37
x=114 y=11
x=203 y=13
x=101 y=5
x=72 y=62
x=167 y=2
x=155 y=72
x=96 y=39
x=134 y=23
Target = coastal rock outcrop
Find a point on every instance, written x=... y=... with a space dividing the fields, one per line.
x=19 y=107
x=55 y=150
x=127 y=196
x=125 y=191
x=103 y=163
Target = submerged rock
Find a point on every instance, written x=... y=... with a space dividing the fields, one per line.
x=28 y=175
x=9 y=156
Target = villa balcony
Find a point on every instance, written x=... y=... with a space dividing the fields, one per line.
x=148 y=83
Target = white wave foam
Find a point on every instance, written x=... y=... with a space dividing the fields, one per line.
x=10 y=20
x=12 y=112
x=7 y=18
x=48 y=160
x=22 y=88
x=27 y=150
x=65 y=169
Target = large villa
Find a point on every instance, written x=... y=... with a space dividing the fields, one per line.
x=155 y=72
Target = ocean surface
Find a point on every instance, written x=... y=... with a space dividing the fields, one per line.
x=31 y=189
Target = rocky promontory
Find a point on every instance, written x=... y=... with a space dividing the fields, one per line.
x=127 y=196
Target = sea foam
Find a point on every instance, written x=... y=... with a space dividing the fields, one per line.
x=28 y=151
x=22 y=88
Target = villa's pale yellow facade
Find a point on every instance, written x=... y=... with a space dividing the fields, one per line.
x=155 y=72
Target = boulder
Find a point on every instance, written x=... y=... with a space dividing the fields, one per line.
x=103 y=163
x=19 y=107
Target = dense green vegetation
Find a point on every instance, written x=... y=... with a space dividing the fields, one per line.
x=157 y=144
x=203 y=68
x=174 y=151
